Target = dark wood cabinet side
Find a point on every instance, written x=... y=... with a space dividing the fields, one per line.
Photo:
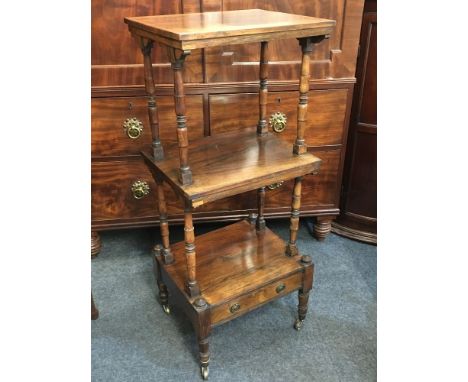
x=358 y=216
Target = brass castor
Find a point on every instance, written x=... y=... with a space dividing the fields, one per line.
x=166 y=309
x=204 y=372
x=298 y=324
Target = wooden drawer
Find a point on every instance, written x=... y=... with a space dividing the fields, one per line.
x=111 y=191
x=109 y=114
x=112 y=197
x=319 y=191
x=325 y=118
x=247 y=302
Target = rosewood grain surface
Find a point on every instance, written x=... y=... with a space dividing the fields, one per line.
x=249 y=301
x=199 y=30
x=234 y=260
x=231 y=163
x=113 y=202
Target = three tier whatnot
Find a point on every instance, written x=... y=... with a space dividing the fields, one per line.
x=240 y=267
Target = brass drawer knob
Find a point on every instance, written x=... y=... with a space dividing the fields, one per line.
x=133 y=127
x=278 y=121
x=140 y=189
x=234 y=308
x=274 y=186
x=280 y=288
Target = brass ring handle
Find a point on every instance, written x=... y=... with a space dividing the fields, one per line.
x=278 y=121
x=274 y=186
x=280 y=288
x=140 y=189
x=133 y=127
x=234 y=308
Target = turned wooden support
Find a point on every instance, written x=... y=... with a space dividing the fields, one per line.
x=203 y=329
x=95 y=244
x=163 y=292
x=303 y=294
x=163 y=224
x=190 y=254
x=322 y=227
x=262 y=127
x=260 y=222
x=94 y=310
x=146 y=47
x=307 y=45
x=177 y=59
x=291 y=248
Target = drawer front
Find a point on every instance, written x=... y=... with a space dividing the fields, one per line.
x=319 y=191
x=111 y=136
x=112 y=196
x=325 y=117
x=246 y=303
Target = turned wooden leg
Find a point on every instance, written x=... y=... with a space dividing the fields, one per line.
x=163 y=293
x=291 y=248
x=95 y=244
x=260 y=222
x=163 y=224
x=322 y=227
x=190 y=254
x=177 y=59
x=262 y=127
x=203 y=329
x=307 y=44
x=303 y=293
x=94 y=311
x=146 y=47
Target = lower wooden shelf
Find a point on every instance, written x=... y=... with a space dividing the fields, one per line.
x=238 y=269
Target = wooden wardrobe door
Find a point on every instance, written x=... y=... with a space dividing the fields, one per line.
x=358 y=217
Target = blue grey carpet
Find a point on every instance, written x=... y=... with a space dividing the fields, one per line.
x=134 y=340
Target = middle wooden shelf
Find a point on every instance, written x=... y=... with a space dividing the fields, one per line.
x=231 y=163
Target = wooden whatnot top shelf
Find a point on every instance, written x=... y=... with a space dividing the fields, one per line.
x=200 y=30
x=231 y=163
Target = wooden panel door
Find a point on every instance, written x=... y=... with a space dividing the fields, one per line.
x=333 y=58
x=358 y=217
x=116 y=59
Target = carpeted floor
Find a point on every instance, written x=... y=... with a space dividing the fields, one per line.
x=134 y=340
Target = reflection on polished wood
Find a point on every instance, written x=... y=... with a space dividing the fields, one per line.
x=232 y=261
x=200 y=30
x=231 y=163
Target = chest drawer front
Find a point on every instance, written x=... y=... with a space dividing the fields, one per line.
x=110 y=132
x=319 y=191
x=246 y=303
x=115 y=191
x=124 y=189
x=325 y=117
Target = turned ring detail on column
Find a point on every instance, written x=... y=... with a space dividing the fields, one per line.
x=278 y=122
x=140 y=189
x=133 y=127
